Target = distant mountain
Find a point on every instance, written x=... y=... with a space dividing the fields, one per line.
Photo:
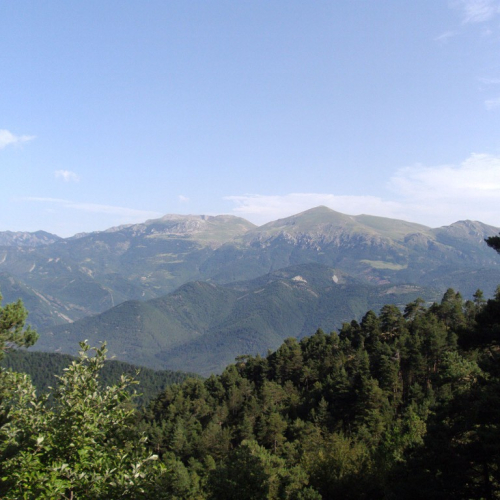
x=87 y=274
x=41 y=310
x=203 y=326
x=374 y=249
x=24 y=239
x=69 y=279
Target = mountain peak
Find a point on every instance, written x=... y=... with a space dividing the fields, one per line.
x=26 y=239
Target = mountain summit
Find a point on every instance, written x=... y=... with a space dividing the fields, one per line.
x=66 y=279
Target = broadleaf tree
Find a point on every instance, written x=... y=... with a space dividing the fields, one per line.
x=83 y=445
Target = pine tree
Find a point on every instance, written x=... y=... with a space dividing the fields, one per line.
x=493 y=242
x=13 y=331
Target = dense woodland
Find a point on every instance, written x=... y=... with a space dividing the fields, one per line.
x=404 y=404
x=400 y=405
x=44 y=368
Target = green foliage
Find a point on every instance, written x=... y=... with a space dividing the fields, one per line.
x=387 y=403
x=251 y=472
x=12 y=327
x=82 y=446
x=42 y=367
x=494 y=242
x=404 y=404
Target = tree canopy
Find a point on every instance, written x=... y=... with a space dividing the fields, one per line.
x=400 y=405
x=403 y=404
x=83 y=444
x=13 y=331
x=494 y=242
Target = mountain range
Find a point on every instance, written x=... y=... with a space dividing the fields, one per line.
x=202 y=326
x=191 y=292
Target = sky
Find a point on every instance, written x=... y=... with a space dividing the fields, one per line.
x=120 y=111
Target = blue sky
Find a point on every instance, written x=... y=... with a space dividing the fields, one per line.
x=120 y=111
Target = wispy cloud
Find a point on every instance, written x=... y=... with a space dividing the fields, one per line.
x=473 y=12
x=183 y=199
x=445 y=193
x=430 y=195
x=477 y=11
x=264 y=208
x=7 y=138
x=444 y=37
x=490 y=81
x=475 y=178
x=67 y=176
x=99 y=209
x=492 y=103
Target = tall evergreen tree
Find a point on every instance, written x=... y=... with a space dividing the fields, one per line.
x=494 y=242
x=13 y=330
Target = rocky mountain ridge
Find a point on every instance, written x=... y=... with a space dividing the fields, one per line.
x=66 y=279
x=26 y=239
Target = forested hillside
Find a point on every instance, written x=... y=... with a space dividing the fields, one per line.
x=201 y=327
x=44 y=368
x=400 y=405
